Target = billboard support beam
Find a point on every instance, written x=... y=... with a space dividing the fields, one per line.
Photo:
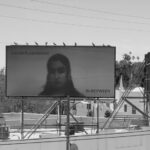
x=68 y=124
x=22 y=118
x=59 y=119
x=97 y=116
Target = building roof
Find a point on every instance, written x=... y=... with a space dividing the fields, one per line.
x=137 y=92
x=138 y=89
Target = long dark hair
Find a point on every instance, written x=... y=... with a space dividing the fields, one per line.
x=69 y=87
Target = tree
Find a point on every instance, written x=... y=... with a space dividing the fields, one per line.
x=107 y=114
x=124 y=68
x=2 y=84
x=131 y=71
x=138 y=73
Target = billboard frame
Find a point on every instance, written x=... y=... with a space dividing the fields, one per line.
x=63 y=97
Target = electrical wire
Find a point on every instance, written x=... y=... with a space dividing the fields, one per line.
x=73 y=24
x=72 y=15
x=91 y=10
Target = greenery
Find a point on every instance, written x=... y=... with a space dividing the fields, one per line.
x=129 y=67
x=107 y=114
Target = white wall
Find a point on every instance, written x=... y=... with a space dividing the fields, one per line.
x=132 y=140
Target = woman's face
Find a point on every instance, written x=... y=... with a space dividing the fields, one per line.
x=57 y=75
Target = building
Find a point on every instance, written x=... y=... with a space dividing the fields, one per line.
x=90 y=108
x=136 y=97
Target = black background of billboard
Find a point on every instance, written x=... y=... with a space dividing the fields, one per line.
x=63 y=47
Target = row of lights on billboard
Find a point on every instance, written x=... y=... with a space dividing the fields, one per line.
x=46 y=43
x=54 y=44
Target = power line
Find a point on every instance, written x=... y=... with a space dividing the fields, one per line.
x=75 y=25
x=91 y=10
x=72 y=15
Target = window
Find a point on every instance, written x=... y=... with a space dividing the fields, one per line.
x=74 y=107
x=125 y=108
x=133 y=110
x=88 y=106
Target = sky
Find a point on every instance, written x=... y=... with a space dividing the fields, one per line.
x=124 y=24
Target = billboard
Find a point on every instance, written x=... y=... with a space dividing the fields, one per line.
x=58 y=71
x=147 y=75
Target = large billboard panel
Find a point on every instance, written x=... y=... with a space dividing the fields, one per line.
x=82 y=71
x=147 y=75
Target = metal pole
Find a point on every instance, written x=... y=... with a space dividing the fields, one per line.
x=97 y=116
x=146 y=90
x=22 y=118
x=68 y=124
x=60 y=109
x=58 y=116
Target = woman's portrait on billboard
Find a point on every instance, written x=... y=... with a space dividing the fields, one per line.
x=59 y=81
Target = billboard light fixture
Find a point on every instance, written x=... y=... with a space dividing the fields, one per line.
x=64 y=44
x=93 y=44
x=75 y=44
x=15 y=43
x=36 y=43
